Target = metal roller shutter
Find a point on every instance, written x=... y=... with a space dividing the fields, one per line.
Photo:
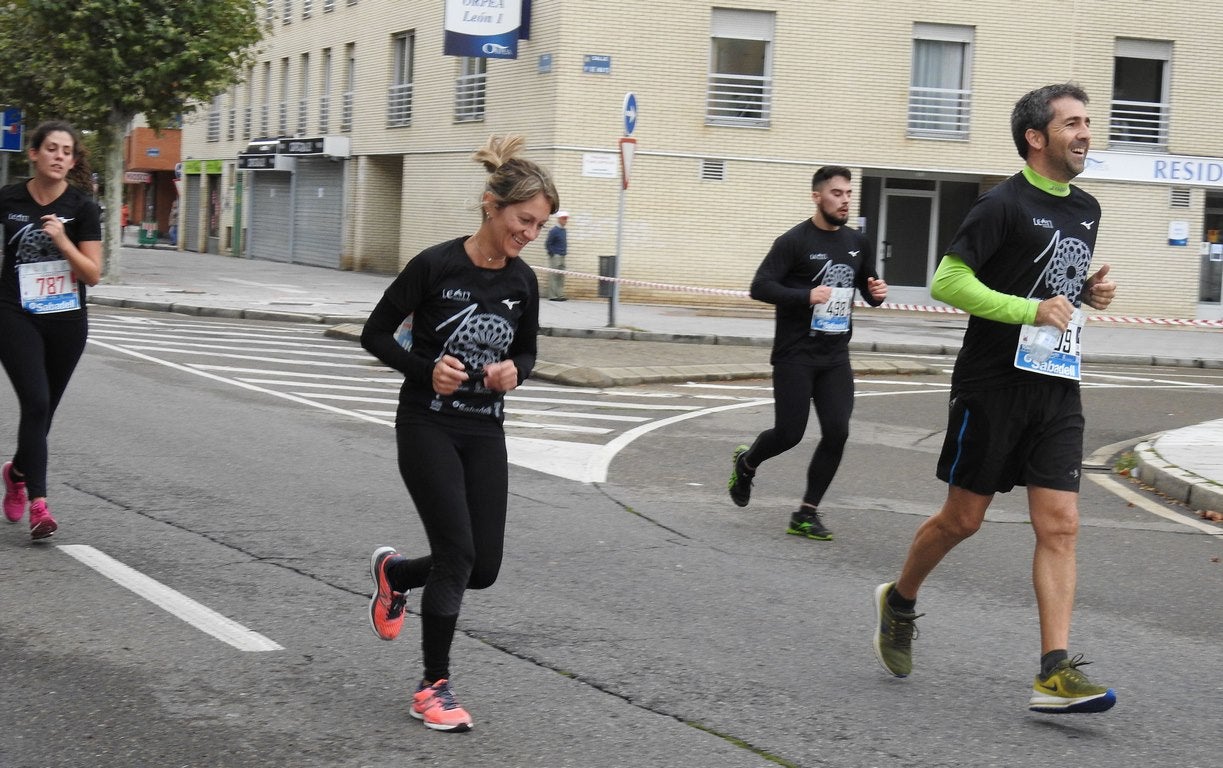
x=318 y=212
x=270 y=201
x=191 y=213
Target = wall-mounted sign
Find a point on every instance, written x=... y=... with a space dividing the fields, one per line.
x=600 y=165
x=1187 y=170
x=1178 y=233
x=329 y=146
x=482 y=28
x=593 y=64
x=137 y=177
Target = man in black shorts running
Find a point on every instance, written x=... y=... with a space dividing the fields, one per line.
x=810 y=274
x=1019 y=260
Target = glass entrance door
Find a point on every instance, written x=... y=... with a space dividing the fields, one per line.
x=905 y=238
x=1211 y=272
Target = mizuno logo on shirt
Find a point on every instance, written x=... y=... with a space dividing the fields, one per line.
x=854 y=254
x=1088 y=224
x=511 y=302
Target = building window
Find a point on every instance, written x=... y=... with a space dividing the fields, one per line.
x=214 y=119
x=303 y=93
x=399 y=97
x=740 y=89
x=307 y=8
x=324 y=99
x=350 y=85
x=232 y=126
x=250 y=102
x=269 y=13
x=287 y=16
x=469 y=90
x=940 y=100
x=1140 y=109
x=264 y=108
x=283 y=122
x=328 y=6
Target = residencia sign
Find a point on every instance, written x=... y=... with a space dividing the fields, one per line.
x=1184 y=170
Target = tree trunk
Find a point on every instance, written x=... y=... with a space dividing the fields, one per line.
x=112 y=232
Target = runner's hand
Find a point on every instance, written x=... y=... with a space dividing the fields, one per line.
x=448 y=374
x=820 y=294
x=1098 y=291
x=1055 y=311
x=52 y=226
x=502 y=376
x=877 y=287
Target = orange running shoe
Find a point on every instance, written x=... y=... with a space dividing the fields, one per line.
x=385 y=605
x=42 y=524
x=437 y=707
x=15 y=498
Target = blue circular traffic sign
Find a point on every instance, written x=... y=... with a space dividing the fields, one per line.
x=630 y=113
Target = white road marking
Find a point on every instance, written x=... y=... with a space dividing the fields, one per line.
x=229 y=339
x=1138 y=500
x=175 y=603
x=577 y=415
x=244 y=385
x=319 y=363
x=571 y=428
x=193 y=347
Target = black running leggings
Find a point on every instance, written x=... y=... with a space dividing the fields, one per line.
x=794 y=387
x=39 y=353
x=459 y=482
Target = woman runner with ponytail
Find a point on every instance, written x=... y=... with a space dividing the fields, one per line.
x=460 y=323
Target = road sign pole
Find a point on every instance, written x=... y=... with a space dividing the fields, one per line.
x=627 y=145
x=615 y=265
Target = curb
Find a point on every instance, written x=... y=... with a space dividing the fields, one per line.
x=232 y=313
x=1192 y=490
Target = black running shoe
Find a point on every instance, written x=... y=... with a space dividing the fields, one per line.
x=740 y=483
x=806 y=522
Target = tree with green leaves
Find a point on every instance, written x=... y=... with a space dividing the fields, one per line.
x=100 y=63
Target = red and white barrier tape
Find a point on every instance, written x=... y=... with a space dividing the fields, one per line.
x=1173 y=321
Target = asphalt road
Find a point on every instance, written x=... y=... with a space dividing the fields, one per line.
x=640 y=621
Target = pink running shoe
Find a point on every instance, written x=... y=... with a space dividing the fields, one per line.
x=42 y=524
x=15 y=498
x=438 y=708
x=385 y=605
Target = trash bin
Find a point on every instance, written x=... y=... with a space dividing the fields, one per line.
x=605 y=270
x=148 y=233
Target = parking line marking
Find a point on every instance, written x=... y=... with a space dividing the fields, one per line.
x=177 y=604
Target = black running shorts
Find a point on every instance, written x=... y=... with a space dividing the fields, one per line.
x=1029 y=434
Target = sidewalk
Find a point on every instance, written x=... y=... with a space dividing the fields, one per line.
x=579 y=346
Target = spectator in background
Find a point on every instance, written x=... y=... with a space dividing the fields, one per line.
x=557 y=246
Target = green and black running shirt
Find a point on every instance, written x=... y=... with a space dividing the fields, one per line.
x=1025 y=241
